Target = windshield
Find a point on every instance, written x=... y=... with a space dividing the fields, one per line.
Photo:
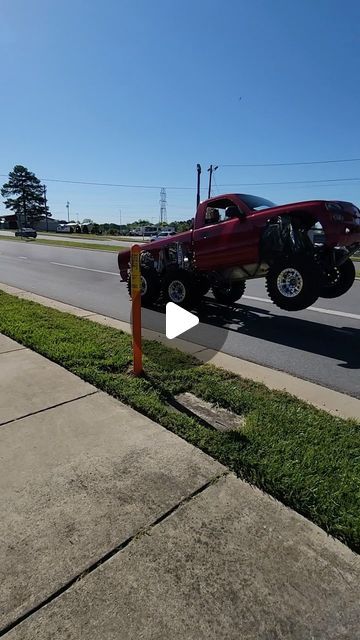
x=256 y=203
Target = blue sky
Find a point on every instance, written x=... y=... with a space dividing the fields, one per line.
x=137 y=92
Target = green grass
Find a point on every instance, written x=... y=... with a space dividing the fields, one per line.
x=72 y=245
x=305 y=457
x=87 y=236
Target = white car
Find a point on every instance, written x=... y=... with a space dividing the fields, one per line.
x=163 y=234
x=63 y=228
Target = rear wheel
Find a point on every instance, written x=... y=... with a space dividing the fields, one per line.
x=150 y=286
x=338 y=280
x=179 y=288
x=293 y=285
x=230 y=294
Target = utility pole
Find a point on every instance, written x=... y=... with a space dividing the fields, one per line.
x=68 y=210
x=45 y=205
x=24 y=204
x=120 y=219
x=211 y=170
x=198 y=169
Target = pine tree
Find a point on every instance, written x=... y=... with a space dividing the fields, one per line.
x=24 y=195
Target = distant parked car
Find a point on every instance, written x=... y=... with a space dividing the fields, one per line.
x=65 y=228
x=163 y=234
x=26 y=232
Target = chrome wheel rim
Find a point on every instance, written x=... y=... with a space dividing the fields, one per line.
x=333 y=276
x=177 y=291
x=290 y=282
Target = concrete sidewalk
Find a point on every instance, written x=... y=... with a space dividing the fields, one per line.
x=114 y=528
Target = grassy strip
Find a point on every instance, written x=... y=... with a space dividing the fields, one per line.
x=305 y=457
x=71 y=245
x=87 y=236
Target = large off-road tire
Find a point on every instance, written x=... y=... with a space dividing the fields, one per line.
x=338 y=280
x=230 y=294
x=150 y=286
x=180 y=288
x=293 y=284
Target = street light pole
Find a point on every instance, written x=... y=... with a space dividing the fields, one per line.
x=45 y=205
x=68 y=210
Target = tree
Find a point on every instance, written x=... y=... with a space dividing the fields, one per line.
x=25 y=196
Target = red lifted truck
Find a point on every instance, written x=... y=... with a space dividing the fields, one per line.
x=303 y=250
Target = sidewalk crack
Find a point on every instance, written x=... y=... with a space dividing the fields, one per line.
x=53 y=406
x=13 y=350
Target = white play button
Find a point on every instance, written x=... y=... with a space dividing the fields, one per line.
x=178 y=320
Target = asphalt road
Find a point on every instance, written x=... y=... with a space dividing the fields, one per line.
x=321 y=344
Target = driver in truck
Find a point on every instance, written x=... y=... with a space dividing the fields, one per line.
x=212 y=216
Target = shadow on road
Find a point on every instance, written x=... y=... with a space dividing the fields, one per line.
x=338 y=343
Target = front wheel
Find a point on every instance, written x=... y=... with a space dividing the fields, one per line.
x=338 y=280
x=150 y=286
x=229 y=294
x=179 y=288
x=293 y=285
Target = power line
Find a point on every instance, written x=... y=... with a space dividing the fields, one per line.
x=110 y=184
x=258 y=184
x=292 y=164
x=215 y=183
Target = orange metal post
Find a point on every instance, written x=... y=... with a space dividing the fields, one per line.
x=136 y=309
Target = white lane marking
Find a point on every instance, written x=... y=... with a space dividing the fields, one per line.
x=330 y=312
x=74 y=266
x=22 y=258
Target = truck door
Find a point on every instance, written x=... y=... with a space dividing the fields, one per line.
x=226 y=243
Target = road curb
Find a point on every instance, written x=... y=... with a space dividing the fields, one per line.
x=333 y=402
